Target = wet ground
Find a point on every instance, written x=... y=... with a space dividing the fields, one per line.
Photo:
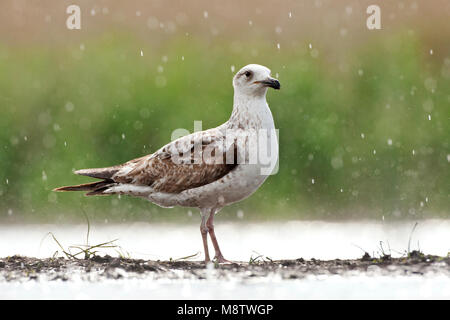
x=319 y=260
x=97 y=268
x=418 y=276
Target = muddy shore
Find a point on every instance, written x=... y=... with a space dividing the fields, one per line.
x=20 y=268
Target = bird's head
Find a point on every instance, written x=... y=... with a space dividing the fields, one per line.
x=254 y=80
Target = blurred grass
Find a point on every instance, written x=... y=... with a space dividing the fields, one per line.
x=350 y=125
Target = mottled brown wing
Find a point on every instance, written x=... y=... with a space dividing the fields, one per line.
x=189 y=162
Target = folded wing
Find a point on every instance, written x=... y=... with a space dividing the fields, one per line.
x=189 y=162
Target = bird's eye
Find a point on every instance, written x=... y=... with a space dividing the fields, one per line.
x=248 y=74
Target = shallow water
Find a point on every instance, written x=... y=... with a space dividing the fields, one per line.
x=334 y=287
x=239 y=241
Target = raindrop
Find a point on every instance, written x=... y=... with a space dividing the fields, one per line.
x=138 y=125
x=14 y=141
x=160 y=81
x=144 y=113
x=69 y=106
x=430 y=84
x=152 y=23
x=337 y=162
x=397 y=213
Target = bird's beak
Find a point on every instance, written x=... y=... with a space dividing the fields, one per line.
x=270 y=82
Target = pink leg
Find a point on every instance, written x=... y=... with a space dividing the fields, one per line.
x=210 y=226
x=204 y=232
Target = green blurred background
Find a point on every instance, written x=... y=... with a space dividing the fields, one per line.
x=363 y=115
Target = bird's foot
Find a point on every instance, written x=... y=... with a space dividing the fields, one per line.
x=221 y=259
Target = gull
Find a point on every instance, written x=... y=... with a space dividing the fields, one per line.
x=206 y=169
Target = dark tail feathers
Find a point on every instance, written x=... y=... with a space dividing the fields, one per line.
x=94 y=188
x=99 y=173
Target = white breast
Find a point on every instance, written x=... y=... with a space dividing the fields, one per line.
x=245 y=178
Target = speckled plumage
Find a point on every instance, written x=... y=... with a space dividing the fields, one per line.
x=194 y=171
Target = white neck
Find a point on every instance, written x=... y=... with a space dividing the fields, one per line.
x=250 y=112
